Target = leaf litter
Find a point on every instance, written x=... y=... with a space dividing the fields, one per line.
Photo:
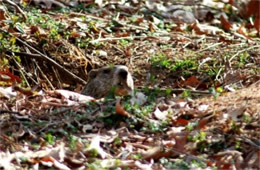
x=196 y=104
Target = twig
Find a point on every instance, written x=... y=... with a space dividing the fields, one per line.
x=211 y=46
x=36 y=56
x=251 y=142
x=46 y=78
x=50 y=60
x=8 y=111
x=22 y=71
x=17 y=8
x=242 y=51
x=182 y=90
x=117 y=38
x=102 y=19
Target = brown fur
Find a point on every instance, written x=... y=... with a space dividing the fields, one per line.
x=102 y=81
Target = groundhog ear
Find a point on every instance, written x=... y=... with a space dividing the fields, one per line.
x=92 y=74
x=123 y=74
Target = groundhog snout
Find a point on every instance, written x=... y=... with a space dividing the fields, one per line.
x=111 y=78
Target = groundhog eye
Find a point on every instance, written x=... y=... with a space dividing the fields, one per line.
x=123 y=74
x=120 y=84
x=106 y=71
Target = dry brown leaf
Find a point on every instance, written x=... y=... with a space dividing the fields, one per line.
x=242 y=32
x=2 y=14
x=226 y=25
x=152 y=153
x=120 y=110
x=27 y=92
x=7 y=76
x=203 y=29
x=191 y=81
x=202 y=123
x=182 y=122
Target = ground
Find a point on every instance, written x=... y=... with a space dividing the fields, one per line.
x=196 y=101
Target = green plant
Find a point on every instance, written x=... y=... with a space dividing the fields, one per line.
x=191 y=125
x=186 y=94
x=137 y=156
x=175 y=164
x=117 y=141
x=198 y=164
x=124 y=42
x=50 y=139
x=199 y=137
x=238 y=145
x=72 y=142
x=243 y=59
x=160 y=60
x=186 y=64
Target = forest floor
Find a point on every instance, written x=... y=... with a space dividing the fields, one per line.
x=197 y=86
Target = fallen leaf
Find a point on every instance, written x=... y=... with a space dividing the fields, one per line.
x=2 y=13
x=7 y=92
x=27 y=92
x=7 y=76
x=114 y=163
x=159 y=114
x=95 y=144
x=226 y=25
x=152 y=153
x=241 y=31
x=182 y=122
x=203 y=29
x=191 y=81
x=202 y=122
x=120 y=110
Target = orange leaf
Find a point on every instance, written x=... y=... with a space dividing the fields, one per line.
x=240 y=31
x=47 y=159
x=181 y=141
x=231 y=2
x=197 y=29
x=182 y=122
x=128 y=52
x=7 y=76
x=139 y=20
x=75 y=35
x=23 y=91
x=225 y=166
x=226 y=25
x=151 y=28
x=34 y=29
x=120 y=110
x=202 y=123
x=257 y=23
x=2 y=15
x=125 y=34
x=191 y=81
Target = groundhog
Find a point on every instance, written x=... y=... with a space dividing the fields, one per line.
x=108 y=79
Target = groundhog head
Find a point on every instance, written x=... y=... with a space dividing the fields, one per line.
x=102 y=81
